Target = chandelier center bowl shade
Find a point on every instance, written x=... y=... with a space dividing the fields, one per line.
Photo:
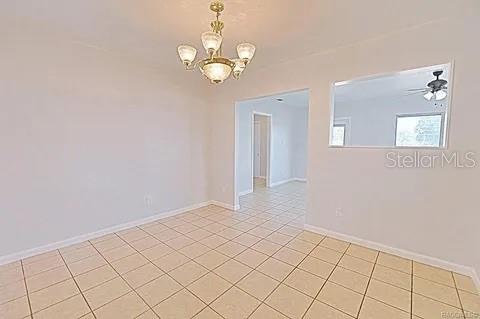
x=215 y=67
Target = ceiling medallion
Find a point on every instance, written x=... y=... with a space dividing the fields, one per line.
x=215 y=67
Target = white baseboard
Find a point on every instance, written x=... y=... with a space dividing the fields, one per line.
x=245 y=192
x=295 y=179
x=282 y=182
x=224 y=205
x=78 y=239
x=432 y=261
x=476 y=279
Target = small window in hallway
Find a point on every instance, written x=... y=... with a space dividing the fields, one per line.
x=419 y=130
x=338 y=135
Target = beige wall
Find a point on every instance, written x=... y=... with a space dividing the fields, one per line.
x=86 y=134
x=433 y=212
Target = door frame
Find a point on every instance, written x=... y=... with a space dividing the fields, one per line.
x=257 y=167
x=269 y=148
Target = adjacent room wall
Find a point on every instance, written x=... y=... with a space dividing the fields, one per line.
x=90 y=139
x=300 y=144
x=432 y=212
x=288 y=141
x=372 y=122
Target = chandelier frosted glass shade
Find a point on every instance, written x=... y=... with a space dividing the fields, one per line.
x=187 y=54
x=246 y=51
x=238 y=68
x=428 y=96
x=440 y=95
x=217 y=70
x=215 y=67
x=211 y=41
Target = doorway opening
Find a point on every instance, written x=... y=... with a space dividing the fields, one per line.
x=271 y=139
x=261 y=150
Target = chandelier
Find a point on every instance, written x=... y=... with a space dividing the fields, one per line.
x=215 y=67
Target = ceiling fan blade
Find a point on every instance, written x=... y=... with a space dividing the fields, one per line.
x=422 y=89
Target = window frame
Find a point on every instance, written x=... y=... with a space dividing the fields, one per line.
x=441 y=142
x=344 y=133
x=449 y=65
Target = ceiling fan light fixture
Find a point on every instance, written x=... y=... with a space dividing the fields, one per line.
x=440 y=95
x=428 y=96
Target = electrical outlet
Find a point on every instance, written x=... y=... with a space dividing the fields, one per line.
x=148 y=200
x=339 y=212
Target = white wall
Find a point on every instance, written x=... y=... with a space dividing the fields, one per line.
x=285 y=141
x=428 y=211
x=373 y=121
x=85 y=134
x=300 y=144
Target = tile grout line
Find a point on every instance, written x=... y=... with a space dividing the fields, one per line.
x=411 y=290
x=78 y=287
x=164 y=273
x=123 y=279
x=287 y=242
x=285 y=245
x=263 y=214
x=57 y=267
x=16 y=298
x=26 y=290
x=255 y=226
x=195 y=241
x=368 y=284
x=167 y=274
x=230 y=258
x=458 y=295
x=252 y=270
x=190 y=260
x=251 y=247
x=153 y=235
x=62 y=281
x=330 y=275
x=283 y=280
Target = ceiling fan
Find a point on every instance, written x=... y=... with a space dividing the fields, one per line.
x=436 y=89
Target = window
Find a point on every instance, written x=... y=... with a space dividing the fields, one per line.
x=392 y=110
x=338 y=135
x=419 y=130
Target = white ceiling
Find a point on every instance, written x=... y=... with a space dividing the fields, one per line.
x=390 y=85
x=296 y=99
x=151 y=29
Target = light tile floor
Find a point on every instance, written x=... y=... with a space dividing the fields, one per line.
x=258 y=183
x=213 y=263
